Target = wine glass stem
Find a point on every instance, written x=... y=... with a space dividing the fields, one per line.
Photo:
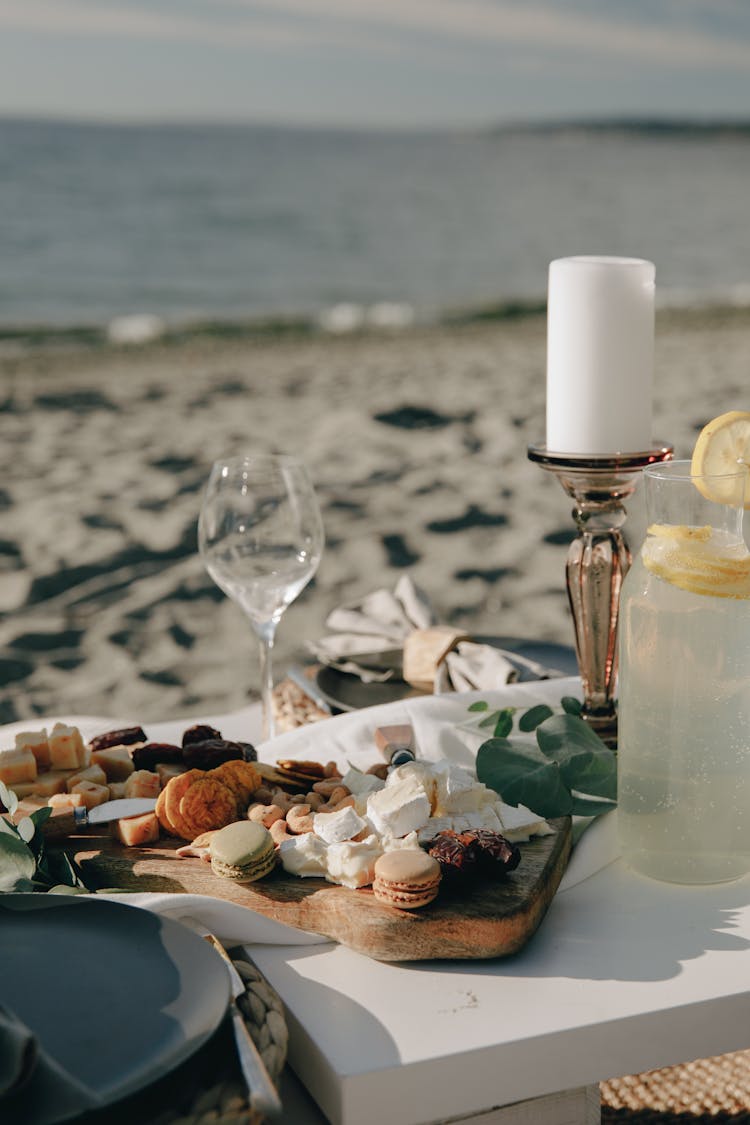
x=266 y=638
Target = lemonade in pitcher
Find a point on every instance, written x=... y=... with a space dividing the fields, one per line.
x=684 y=686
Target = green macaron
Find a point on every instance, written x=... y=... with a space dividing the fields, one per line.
x=243 y=851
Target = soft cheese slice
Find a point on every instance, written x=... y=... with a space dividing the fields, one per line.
x=401 y=807
x=17 y=766
x=458 y=791
x=335 y=827
x=35 y=741
x=66 y=801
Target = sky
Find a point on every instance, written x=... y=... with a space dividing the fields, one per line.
x=373 y=63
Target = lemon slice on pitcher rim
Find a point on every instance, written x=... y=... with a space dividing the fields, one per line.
x=723 y=447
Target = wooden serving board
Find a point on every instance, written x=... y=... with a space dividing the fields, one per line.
x=488 y=919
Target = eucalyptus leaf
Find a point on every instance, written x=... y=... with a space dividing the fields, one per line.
x=586 y=764
x=522 y=775
x=480 y=705
x=8 y=828
x=17 y=863
x=504 y=724
x=490 y=719
x=4 y=793
x=531 y=719
x=41 y=816
x=571 y=705
x=10 y=800
x=25 y=828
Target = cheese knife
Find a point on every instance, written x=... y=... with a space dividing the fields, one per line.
x=56 y=827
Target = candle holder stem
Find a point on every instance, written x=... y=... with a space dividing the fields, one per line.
x=598 y=560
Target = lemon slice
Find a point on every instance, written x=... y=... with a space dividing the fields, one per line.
x=723 y=446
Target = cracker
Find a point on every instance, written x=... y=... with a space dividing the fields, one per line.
x=175 y=790
x=241 y=777
x=161 y=814
x=208 y=804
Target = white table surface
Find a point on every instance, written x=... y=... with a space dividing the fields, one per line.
x=624 y=974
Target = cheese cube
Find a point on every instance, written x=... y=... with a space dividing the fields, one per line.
x=91 y=794
x=116 y=762
x=92 y=773
x=36 y=742
x=133 y=831
x=54 y=781
x=167 y=770
x=142 y=783
x=116 y=790
x=17 y=765
x=65 y=801
x=66 y=748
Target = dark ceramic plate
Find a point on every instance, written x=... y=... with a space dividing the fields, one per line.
x=116 y=997
x=345 y=692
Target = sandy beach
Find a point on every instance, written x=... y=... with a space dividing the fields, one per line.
x=417 y=443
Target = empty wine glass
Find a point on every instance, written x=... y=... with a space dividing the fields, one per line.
x=260 y=535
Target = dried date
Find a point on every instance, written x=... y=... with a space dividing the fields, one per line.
x=201 y=732
x=496 y=855
x=148 y=756
x=457 y=857
x=125 y=737
x=211 y=752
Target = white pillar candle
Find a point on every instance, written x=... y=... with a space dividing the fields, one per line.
x=600 y=355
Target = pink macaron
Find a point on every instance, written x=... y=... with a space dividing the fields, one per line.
x=406 y=878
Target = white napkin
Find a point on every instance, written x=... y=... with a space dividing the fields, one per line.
x=367 y=639
x=18 y=1052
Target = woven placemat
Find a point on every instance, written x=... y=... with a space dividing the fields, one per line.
x=713 y=1090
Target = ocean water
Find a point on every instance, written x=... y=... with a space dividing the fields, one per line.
x=244 y=223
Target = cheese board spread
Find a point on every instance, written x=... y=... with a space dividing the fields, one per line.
x=462 y=874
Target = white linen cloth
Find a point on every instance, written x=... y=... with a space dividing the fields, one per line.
x=367 y=639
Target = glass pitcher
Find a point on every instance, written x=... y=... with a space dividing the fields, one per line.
x=684 y=683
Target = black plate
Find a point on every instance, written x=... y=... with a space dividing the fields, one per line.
x=116 y=996
x=348 y=693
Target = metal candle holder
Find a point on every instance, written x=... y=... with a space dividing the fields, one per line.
x=598 y=560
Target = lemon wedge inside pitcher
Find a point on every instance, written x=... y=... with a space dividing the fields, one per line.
x=723 y=446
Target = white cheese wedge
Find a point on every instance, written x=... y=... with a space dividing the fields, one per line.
x=335 y=827
x=402 y=807
x=520 y=823
x=352 y=863
x=400 y=843
x=91 y=773
x=421 y=772
x=360 y=783
x=304 y=855
x=17 y=766
x=36 y=742
x=116 y=790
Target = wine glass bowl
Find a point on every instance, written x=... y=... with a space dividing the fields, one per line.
x=260 y=536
